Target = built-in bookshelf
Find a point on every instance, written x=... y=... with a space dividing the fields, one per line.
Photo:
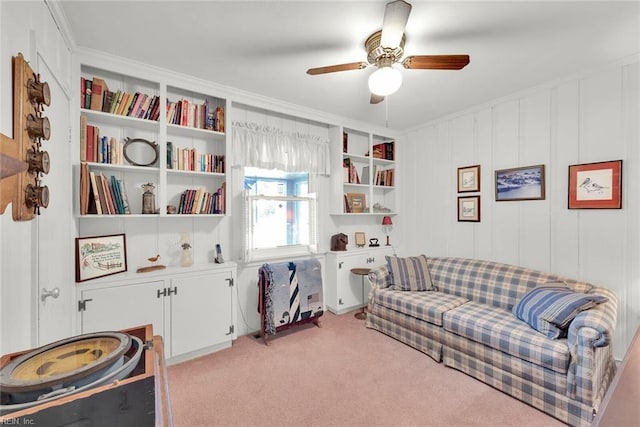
x=140 y=136
x=367 y=182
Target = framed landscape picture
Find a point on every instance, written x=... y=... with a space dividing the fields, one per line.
x=596 y=185
x=524 y=183
x=469 y=208
x=469 y=179
x=356 y=202
x=99 y=256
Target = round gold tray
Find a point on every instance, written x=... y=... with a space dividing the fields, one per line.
x=71 y=361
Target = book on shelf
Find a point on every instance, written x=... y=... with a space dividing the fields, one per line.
x=107 y=101
x=83 y=138
x=200 y=201
x=123 y=194
x=83 y=83
x=384 y=150
x=190 y=159
x=101 y=195
x=385 y=177
x=196 y=115
x=95 y=95
x=351 y=174
x=96 y=194
x=98 y=88
x=87 y=93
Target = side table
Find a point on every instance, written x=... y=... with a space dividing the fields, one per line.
x=362 y=272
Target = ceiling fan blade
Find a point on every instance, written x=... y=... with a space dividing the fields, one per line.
x=436 y=62
x=396 y=16
x=376 y=99
x=335 y=68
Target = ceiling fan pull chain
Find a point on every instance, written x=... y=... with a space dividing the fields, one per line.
x=386 y=111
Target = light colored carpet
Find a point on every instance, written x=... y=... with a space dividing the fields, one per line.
x=342 y=374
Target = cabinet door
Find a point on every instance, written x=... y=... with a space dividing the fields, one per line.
x=350 y=286
x=200 y=312
x=122 y=307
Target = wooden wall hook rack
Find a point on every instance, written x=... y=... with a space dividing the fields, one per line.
x=22 y=162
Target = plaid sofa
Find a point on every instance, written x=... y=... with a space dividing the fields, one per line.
x=467 y=323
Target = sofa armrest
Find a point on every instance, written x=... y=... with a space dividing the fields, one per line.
x=601 y=319
x=590 y=337
x=379 y=277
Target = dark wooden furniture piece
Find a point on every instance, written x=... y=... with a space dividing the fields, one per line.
x=363 y=272
x=621 y=403
x=141 y=399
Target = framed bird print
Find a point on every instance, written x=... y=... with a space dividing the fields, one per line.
x=596 y=185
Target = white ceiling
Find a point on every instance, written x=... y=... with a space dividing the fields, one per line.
x=265 y=47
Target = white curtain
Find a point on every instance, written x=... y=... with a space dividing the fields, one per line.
x=267 y=147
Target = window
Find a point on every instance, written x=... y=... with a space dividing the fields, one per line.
x=280 y=213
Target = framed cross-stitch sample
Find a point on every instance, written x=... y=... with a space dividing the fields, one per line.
x=596 y=185
x=98 y=256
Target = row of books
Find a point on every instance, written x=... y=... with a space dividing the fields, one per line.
x=95 y=95
x=96 y=148
x=350 y=172
x=384 y=150
x=200 y=201
x=100 y=195
x=189 y=159
x=201 y=116
x=383 y=177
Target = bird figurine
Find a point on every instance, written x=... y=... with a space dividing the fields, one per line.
x=154 y=266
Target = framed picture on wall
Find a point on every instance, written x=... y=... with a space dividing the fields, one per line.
x=469 y=209
x=524 y=183
x=596 y=185
x=469 y=179
x=99 y=256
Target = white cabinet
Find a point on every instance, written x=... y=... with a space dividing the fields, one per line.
x=200 y=311
x=344 y=289
x=193 y=311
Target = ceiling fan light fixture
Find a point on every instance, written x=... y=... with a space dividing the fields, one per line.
x=385 y=81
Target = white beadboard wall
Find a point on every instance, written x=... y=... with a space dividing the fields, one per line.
x=588 y=118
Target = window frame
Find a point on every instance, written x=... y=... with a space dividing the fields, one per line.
x=254 y=254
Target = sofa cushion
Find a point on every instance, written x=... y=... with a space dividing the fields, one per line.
x=550 y=309
x=488 y=282
x=499 y=329
x=427 y=306
x=409 y=274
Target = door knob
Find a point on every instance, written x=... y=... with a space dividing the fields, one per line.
x=55 y=293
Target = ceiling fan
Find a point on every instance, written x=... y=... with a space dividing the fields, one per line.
x=385 y=48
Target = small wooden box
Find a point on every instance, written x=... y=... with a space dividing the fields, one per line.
x=141 y=399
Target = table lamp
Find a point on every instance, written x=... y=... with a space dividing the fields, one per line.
x=386 y=225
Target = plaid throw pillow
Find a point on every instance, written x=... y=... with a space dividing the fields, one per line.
x=409 y=274
x=550 y=309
